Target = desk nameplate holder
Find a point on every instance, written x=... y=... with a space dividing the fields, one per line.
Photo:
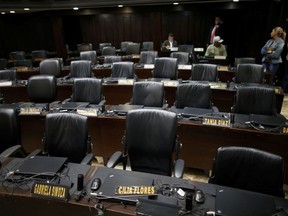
x=50 y=191
x=214 y=85
x=184 y=67
x=170 y=83
x=5 y=83
x=125 y=81
x=149 y=66
x=30 y=111
x=88 y=112
x=216 y=121
x=223 y=68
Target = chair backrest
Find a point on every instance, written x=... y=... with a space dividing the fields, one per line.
x=248 y=169
x=182 y=57
x=50 y=67
x=89 y=56
x=102 y=45
x=204 y=72
x=66 y=135
x=124 y=45
x=108 y=51
x=148 y=57
x=150 y=94
x=193 y=95
x=249 y=73
x=186 y=48
x=17 y=55
x=123 y=69
x=3 y=64
x=112 y=59
x=8 y=75
x=150 y=140
x=84 y=47
x=245 y=60
x=165 y=68
x=87 y=90
x=42 y=88
x=133 y=48
x=9 y=130
x=81 y=68
x=23 y=63
x=38 y=54
x=148 y=45
x=255 y=100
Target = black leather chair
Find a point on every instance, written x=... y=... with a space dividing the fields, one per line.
x=88 y=90
x=102 y=45
x=108 y=51
x=204 y=72
x=123 y=69
x=255 y=100
x=66 y=135
x=3 y=64
x=89 y=56
x=249 y=73
x=124 y=45
x=112 y=59
x=248 y=169
x=193 y=95
x=165 y=68
x=38 y=54
x=50 y=67
x=17 y=55
x=84 y=47
x=42 y=88
x=147 y=46
x=186 y=48
x=244 y=60
x=81 y=68
x=133 y=48
x=148 y=57
x=23 y=63
x=150 y=142
x=182 y=57
x=8 y=75
x=149 y=94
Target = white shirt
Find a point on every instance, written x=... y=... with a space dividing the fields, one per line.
x=171 y=43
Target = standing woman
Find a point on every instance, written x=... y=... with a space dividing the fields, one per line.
x=271 y=51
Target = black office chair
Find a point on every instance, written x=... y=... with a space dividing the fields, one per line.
x=108 y=51
x=182 y=57
x=204 y=72
x=147 y=46
x=102 y=45
x=42 y=88
x=248 y=169
x=17 y=55
x=150 y=142
x=112 y=59
x=81 y=68
x=149 y=94
x=249 y=73
x=123 y=69
x=50 y=67
x=89 y=56
x=66 y=135
x=88 y=90
x=194 y=95
x=23 y=63
x=3 y=64
x=165 y=68
x=9 y=75
x=124 y=45
x=148 y=57
x=255 y=100
x=38 y=54
x=133 y=48
x=244 y=60
x=84 y=47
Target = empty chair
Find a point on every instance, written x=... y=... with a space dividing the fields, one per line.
x=248 y=169
x=133 y=48
x=112 y=59
x=124 y=45
x=84 y=47
x=123 y=69
x=108 y=51
x=165 y=68
x=148 y=57
x=42 y=88
x=249 y=73
x=23 y=63
x=204 y=72
x=149 y=149
x=148 y=46
x=50 y=67
x=81 y=68
x=3 y=64
x=88 y=90
x=39 y=54
x=245 y=60
x=90 y=56
x=66 y=135
x=17 y=55
x=8 y=75
x=150 y=94
x=182 y=57
x=186 y=48
x=255 y=100
x=102 y=45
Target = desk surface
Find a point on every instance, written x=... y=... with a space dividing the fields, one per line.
x=17 y=199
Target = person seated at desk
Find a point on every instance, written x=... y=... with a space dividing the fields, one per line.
x=216 y=49
x=170 y=43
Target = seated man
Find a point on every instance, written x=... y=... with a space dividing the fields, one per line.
x=216 y=49
x=170 y=42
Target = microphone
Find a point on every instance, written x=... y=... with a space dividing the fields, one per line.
x=80 y=182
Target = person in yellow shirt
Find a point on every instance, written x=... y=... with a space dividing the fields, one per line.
x=216 y=49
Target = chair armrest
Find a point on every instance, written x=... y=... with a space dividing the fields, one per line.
x=179 y=168
x=34 y=153
x=11 y=151
x=87 y=159
x=116 y=158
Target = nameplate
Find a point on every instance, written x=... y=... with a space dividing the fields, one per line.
x=39 y=59
x=220 y=57
x=88 y=112
x=215 y=121
x=5 y=83
x=199 y=49
x=30 y=111
x=22 y=69
x=222 y=68
x=125 y=81
x=184 y=67
x=284 y=130
x=50 y=191
x=218 y=85
x=136 y=190
x=278 y=90
x=148 y=66
x=134 y=56
x=170 y=83
x=173 y=49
